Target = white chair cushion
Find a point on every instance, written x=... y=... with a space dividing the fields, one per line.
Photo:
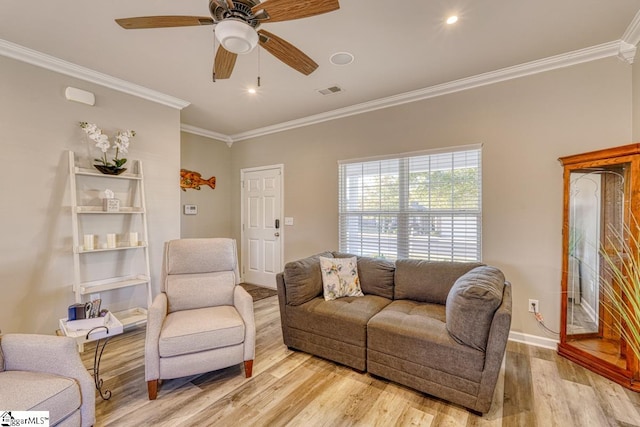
x=189 y=291
x=191 y=331
x=37 y=391
x=186 y=256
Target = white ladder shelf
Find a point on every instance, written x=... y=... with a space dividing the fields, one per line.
x=139 y=275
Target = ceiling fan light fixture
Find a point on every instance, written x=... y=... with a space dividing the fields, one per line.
x=236 y=36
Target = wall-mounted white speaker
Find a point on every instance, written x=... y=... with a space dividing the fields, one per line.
x=79 y=95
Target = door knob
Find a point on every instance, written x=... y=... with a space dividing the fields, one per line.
x=276 y=234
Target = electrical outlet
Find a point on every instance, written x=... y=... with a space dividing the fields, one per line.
x=93 y=297
x=534 y=306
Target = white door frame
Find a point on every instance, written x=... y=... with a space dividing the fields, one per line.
x=280 y=167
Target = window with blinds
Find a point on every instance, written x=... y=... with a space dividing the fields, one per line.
x=421 y=205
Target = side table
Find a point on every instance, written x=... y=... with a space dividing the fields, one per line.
x=100 y=333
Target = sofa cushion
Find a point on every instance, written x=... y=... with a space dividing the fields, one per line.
x=192 y=331
x=376 y=276
x=342 y=255
x=428 y=281
x=1 y=359
x=340 y=278
x=303 y=279
x=416 y=332
x=37 y=391
x=344 y=319
x=471 y=304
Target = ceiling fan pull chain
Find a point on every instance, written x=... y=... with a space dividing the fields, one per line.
x=258 y=67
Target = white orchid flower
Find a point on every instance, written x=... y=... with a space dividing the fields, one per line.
x=102 y=142
x=121 y=143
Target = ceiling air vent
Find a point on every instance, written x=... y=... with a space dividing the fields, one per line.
x=331 y=90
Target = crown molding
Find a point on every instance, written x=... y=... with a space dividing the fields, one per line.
x=625 y=49
x=593 y=53
x=627 y=52
x=57 y=65
x=207 y=133
x=632 y=33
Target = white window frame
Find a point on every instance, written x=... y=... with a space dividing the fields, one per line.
x=397 y=229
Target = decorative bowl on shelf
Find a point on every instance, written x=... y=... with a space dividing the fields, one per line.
x=110 y=170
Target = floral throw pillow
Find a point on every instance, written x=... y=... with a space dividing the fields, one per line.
x=340 y=278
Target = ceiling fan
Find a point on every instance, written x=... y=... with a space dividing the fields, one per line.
x=236 y=28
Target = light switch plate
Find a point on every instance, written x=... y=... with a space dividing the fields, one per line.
x=288 y=220
x=190 y=209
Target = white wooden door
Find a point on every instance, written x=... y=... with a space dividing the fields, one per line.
x=262 y=225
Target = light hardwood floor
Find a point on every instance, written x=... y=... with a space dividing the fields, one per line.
x=536 y=388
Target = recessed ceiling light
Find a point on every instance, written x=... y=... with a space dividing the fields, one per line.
x=341 y=58
x=452 y=19
x=251 y=90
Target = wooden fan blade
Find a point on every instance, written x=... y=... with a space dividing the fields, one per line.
x=223 y=64
x=287 y=53
x=285 y=10
x=163 y=21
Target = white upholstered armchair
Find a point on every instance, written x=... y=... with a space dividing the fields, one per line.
x=201 y=321
x=45 y=373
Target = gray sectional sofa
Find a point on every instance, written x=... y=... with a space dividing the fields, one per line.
x=438 y=327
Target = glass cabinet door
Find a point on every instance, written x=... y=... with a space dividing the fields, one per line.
x=599 y=208
x=596 y=206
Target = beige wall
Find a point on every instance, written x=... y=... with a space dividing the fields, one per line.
x=37 y=127
x=209 y=158
x=524 y=124
x=636 y=99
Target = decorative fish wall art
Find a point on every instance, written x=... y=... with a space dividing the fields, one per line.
x=191 y=179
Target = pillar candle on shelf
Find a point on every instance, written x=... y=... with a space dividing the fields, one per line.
x=111 y=240
x=88 y=242
x=133 y=239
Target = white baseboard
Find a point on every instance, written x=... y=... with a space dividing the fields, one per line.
x=534 y=340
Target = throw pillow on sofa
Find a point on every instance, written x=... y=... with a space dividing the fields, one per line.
x=340 y=278
x=471 y=304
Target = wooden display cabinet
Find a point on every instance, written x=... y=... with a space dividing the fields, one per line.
x=601 y=209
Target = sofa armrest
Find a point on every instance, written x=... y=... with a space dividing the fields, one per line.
x=244 y=304
x=496 y=345
x=155 y=319
x=282 y=302
x=53 y=355
x=500 y=327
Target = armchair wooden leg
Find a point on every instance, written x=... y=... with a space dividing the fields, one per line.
x=248 y=368
x=152 y=388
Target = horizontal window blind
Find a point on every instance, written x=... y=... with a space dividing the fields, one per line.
x=426 y=206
